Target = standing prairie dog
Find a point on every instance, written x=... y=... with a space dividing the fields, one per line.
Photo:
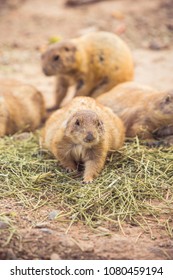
x=22 y=107
x=88 y=65
x=146 y=112
x=83 y=132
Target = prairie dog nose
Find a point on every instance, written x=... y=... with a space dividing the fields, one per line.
x=89 y=137
x=46 y=71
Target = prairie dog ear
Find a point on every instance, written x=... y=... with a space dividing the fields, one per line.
x=64 y=124
x=70 y=47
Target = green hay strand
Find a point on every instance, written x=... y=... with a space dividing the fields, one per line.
x=137 y=182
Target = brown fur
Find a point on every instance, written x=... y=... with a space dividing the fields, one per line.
x=22 y=107
x=83 y=132
x=144 y=110
x=165 y=131
x=92 y=64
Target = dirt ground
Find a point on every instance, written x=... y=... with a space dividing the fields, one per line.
x=26 y=26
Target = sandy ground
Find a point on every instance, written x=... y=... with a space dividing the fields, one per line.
x=25 y=28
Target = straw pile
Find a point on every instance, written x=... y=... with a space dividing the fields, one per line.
x=136 y=182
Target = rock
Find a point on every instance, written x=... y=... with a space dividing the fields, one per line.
x=87 y=247
x=80 y=2
x=67 y=242
x=53 y=214
x=41 y=225
x=3 y=225
x=170 y=26
x=157 y=46
x=46 y=230
x=55 y=256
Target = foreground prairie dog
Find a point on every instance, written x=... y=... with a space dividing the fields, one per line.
x=88 y=65
x=22 y=107
x=145 y=111
x=83 y=132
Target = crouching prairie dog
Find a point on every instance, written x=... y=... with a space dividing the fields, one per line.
x=22 y=107
x=146 y=112
x=88 y=65
x=83 y=132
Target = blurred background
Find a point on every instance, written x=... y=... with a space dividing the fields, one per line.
x=28 y=26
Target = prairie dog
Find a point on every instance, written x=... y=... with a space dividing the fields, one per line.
x=92 y=64
x=83 y=132
x=22 y=107
x=144 y=110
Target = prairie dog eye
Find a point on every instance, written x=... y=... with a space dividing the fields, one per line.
x=167 y=99
x=77 y=123
x=99 y=123
x=56 y=57
x=66 y=49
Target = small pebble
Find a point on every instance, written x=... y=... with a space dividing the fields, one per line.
x=53 y=214
x=41 y=225
x=55 y=256
x=3 y=225
x=157 y=46
x=46 y=230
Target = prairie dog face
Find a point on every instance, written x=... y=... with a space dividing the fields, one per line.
x=59 y=59
x=85 y=128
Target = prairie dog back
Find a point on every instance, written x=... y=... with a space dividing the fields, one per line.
x=92 y=63
x=143 y=109
x=24 y=107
